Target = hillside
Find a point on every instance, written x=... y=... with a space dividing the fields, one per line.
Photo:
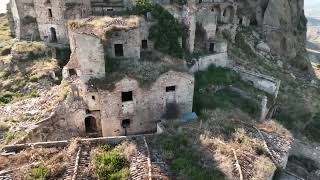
x=162 y=91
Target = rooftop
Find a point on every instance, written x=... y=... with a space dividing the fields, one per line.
x=99 y=26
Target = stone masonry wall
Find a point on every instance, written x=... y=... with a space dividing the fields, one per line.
x=87 y=56
x=148 y=105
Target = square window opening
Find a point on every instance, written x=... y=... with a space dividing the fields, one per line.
x=118 y=50
x=125 y=123
x=170 y=88
x=72 y=72
x=126 y=96
x=93 y=98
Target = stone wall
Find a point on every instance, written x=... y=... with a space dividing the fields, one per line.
x=24 y=19
x=148 y=104
x=130 y=41
x=51 y=20
x=265 y=83
x=87 y=57
x=219 y=60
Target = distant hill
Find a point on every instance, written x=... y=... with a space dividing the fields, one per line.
x=313 y=21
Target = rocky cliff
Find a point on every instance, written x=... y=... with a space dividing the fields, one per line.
x=282 y=22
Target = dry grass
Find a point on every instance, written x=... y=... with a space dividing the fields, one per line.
x=101 y=25
x=27 y=157
x=275 y=127
x=128 y=149
x=27 y=47
x=4 y=29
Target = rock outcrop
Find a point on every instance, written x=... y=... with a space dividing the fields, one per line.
x=282 y=22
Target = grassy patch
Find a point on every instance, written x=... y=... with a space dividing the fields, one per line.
x=27 y=47
x=111 y=165
x=146 y=72
x=312 y=129
x=40 y=173
x=205 y=98
x=4 y=29
x=8 y=137
x=184 y=160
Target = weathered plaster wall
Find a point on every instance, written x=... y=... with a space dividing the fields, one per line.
x=57 y=21
x=24 y=18
x=130 y=40
x=260 y=81
x=219 y=60
x=148 y=105
x=87 y=56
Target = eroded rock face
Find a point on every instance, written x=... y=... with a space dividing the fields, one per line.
x=284 y=25
x=282 y=21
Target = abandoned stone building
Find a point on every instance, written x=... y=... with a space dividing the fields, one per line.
x=46 y=20
x=99 y=39
x=127 y=107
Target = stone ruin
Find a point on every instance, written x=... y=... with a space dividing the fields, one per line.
x=118 y=102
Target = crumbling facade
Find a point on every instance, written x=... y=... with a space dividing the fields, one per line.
x=122 y=106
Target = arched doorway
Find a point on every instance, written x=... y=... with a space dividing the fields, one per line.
x=90 y=124
x=53 y=34
x=228 y=14
x=216 y=9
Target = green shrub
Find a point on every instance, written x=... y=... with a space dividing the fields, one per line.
x=166 y=32
x=40 y=173
x=5 y=73
x=142 y=7
x=111 y=165
x=8 y=137
x=186 y=160
x=6 y=97
x=312 y=129
x=33 y=78
x=34 y=93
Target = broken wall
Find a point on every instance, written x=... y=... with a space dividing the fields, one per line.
x=24 y=19
x=87 y=57
x=148 y=105
x=129 y=43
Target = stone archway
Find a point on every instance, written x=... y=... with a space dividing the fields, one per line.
x=53 y=35
x=228 y=14
x=217 y=10
x=90 y=124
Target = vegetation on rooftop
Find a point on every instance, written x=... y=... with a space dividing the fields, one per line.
x=145 y=72
x=111 y=165
x=40 y=173
x=184 y=160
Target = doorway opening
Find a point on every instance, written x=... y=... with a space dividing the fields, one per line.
x=144 y=44
x=90 y=124
x=211 y=48
x=53 y=35
x=125 y=124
